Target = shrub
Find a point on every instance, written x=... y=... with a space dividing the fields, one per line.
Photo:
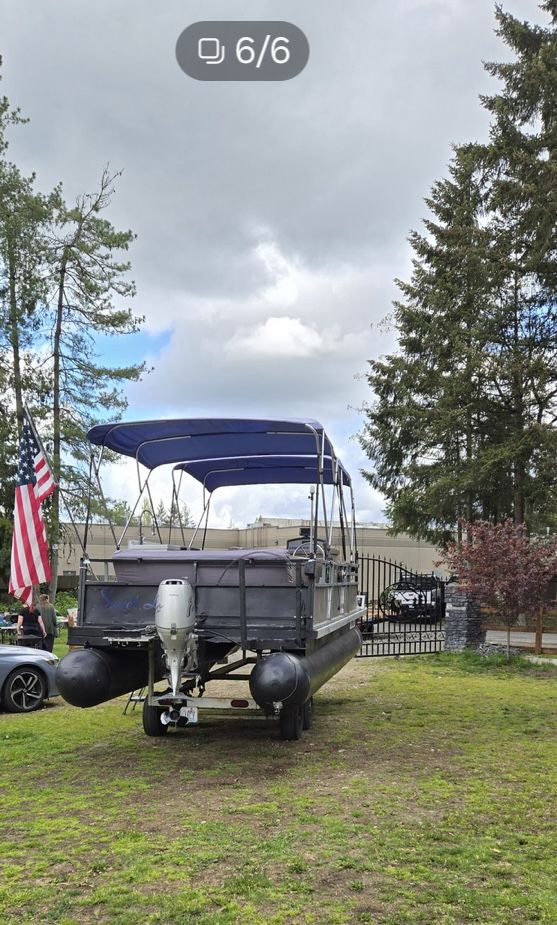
x=503 y=568
x=64 y=600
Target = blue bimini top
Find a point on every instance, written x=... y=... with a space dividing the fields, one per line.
x=261 y=470
x=228 y=451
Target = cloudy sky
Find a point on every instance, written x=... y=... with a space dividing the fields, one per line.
x=271 y=218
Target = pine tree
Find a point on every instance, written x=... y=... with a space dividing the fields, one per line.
x=432 y=421
x=88 y=278
x=464 y=421
x=118 y=513
x=59 y=280
x=521 y=165
x=186 y=516
x=23 y=218
x=522 y=154
x=24 y=215
x=161 y=515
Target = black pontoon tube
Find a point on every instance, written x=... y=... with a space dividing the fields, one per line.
x=290 y=679
x=87 y=677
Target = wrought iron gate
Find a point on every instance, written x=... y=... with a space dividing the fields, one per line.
x=405 y=610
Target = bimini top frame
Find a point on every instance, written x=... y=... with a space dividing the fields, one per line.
x=234 y=451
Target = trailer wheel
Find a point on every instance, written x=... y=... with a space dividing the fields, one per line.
x=307 y=714
x=291 y=722
x=152 y=725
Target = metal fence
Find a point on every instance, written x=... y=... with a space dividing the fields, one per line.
x=405 y=610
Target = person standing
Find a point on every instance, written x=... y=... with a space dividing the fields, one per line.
x=48 y=615
x=30 y=622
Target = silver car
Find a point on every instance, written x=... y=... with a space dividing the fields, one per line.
x=27 y=678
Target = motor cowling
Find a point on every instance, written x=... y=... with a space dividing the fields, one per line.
x=175 y=623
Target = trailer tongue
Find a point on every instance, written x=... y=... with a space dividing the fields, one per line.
x=284 y=619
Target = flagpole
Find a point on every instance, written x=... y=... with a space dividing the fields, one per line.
x=37 y=438
x=65 y=502
x=29 y=564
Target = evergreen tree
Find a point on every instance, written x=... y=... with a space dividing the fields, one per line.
x=119 y=512
x=522 y=153
x=23 y=282
x=432 y=420
x=60 y=277
x=174 y=516
x=8 y=116
x=521 y=165
x=463 y=424
x=88 y=277
x=161 y=515
x=146 y=513
x=23 y=217
x=186 y=516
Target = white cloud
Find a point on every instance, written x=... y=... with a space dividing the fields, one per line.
x=286 y=337
x=285 y=275
x=271 y=217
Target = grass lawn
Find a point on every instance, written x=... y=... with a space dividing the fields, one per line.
x=424 y=793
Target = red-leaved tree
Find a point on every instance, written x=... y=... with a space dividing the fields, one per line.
x=503 y=568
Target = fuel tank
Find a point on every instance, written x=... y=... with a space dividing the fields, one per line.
x=291 y=679
x=87 y=677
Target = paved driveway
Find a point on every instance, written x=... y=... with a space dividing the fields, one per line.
x=518 y=638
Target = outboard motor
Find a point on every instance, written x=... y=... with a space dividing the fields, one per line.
x=175 y=624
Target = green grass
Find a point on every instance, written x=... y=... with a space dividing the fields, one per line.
x=423 y=794
x=61 y=642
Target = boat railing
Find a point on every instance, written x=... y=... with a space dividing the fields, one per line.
x=111 y=601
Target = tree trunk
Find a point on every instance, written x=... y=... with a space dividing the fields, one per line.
x=539 y=632
x=519 y=463
x=14 y=338
x=519 y=479
x=469 y=398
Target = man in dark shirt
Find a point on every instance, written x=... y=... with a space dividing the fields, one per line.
x=48 y=614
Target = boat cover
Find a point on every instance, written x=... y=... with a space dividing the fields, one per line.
x=265 y=566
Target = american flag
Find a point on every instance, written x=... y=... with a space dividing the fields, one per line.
x=35 y=482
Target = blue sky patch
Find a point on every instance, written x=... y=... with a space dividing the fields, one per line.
x=126 y=349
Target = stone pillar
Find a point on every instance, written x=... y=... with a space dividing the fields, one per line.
x=462 y=620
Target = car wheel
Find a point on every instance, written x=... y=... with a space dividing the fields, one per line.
x=24 y=690
x=152 y=725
